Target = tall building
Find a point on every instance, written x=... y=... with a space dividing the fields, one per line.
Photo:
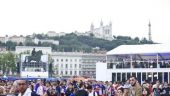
x=103 y=32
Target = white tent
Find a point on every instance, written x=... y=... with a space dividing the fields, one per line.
x=140 y=49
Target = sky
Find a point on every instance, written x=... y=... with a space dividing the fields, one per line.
x=128 y=17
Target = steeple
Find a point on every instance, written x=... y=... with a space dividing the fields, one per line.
x=149 y=34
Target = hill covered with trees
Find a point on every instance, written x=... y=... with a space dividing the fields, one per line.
x=72 y=42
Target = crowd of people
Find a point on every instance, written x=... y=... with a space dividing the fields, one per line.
x=71 y=87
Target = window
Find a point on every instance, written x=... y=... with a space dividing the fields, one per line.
x=79 y=72
x=75 y=72
x=57 y=60
x=66 y=60
x=70 y=72
x=61 y=60
x=79 y=65
x=66 y=72
x=75 y=60
x=75 y=66
x=66 y=65
x=61 y=65
x=70 y=65
x=70 y=60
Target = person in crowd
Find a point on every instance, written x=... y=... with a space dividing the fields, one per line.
x=39 y=88
x=136 y=89
x=126 y=88
x=33 y=93
x=23 y=88
x=2 y=90
x=156 y=89
x=145 y=91
x=120 y=92
x=165 y=89
x=69 y=90
x=63 y=88
x=14 y=90
x=53 y=91
x=111 y=90
x=58 y=88
x=47 y=86
x=91 y=92
x=81 y=91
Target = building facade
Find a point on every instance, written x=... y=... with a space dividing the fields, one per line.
x=2 y=39
x=103 y=31
x=53 y=34
x=89 y=61
x=76 y=63
x=17 y=39
x=67 y=64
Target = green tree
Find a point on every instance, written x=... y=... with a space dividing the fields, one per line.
x=29 y=42
x=8 y=62
x=10 y=45
x=91 y=35
x=144 y=41
x=39 y=43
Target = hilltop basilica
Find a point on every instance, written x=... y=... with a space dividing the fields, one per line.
x=103 y=31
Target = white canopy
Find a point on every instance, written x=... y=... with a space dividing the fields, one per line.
x=140 y=49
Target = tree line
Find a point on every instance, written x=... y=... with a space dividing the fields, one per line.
x=71 y=42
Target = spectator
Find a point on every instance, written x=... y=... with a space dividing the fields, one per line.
x=136 y=89
x=81 y=91
x=156 y=89
x=39 y=90
x=23 y=88
x=69 y=90
x=91 y=91
x=120 y=92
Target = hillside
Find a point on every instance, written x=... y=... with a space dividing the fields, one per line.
x=72 y=42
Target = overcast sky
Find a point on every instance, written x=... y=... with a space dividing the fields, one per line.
x=128 y=17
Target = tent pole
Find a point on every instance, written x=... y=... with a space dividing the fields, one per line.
x=157 y=58
x=131 y=61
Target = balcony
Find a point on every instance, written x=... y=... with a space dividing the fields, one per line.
x=138 y=65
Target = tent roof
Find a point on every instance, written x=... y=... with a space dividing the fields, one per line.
x=140 y=49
